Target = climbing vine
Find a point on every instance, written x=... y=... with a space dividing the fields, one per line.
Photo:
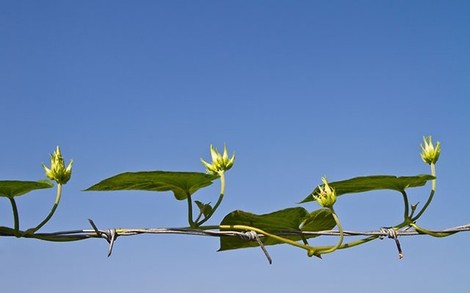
x=294 y=226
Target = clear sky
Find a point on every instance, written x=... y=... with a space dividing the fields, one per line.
x=299 y=89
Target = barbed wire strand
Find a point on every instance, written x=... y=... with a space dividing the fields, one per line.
x=97 y=233
x=110 y=235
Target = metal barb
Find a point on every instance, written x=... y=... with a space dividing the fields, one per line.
x=251 y=236
x=390 y=232
x=109 y=235
x=112 y=238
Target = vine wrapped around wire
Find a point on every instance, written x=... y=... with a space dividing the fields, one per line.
x=294 y=226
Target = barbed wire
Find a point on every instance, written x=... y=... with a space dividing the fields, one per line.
x=110 y=235
x=97 y=233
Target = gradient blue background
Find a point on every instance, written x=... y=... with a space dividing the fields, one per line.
x=299 y=89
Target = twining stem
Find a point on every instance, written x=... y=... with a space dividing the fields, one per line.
x=358 y=242
x=431 y=195
x=431 y=233
x=428 y=202
x=219 y=200
x=341 y=235
x=15 y=216
x=51 y=213
x=311 y=250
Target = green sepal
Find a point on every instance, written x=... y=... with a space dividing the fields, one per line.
x=376 y=182
x=285 y=223
x=204 y=208
x=182 y=184
x=12 y=188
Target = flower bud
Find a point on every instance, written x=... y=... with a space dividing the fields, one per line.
x=58 y=172
x=429 y=153
x=326 y=196
x=220 y=162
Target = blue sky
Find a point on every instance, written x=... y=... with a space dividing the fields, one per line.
x=299 y=89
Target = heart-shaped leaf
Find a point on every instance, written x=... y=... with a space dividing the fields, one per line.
x=183 y=184
x=12 y=188
x=376 y=182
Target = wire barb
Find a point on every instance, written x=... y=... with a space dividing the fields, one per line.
x=390 y=232
x=109 y=235
x=252 y=236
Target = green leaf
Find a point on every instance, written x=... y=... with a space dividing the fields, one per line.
x=12 y=188
x=183 y=184
x=377 y=182
x=280 y=222
x=319 y=220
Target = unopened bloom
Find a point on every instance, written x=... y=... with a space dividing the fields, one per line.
x=220 y=162
x=326 y=195
x=430 y=153
x=58 y=172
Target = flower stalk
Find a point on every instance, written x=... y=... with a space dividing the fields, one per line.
x=219 y=200
x=51 y=213
x=429 y=154
x=341 y=235
x=60 y=174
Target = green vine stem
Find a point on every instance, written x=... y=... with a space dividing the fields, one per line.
x=406 y=204
x=341 y=234
x=15 y=216
x=51 y=213
x=358 y=242
x=431 y=233
x=219 y=200
x=431 y=195
x=190 y=212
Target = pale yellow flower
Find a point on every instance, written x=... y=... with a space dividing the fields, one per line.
x=326 y=196
x=220 y=162
x=429 y=152
x=58 y=172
